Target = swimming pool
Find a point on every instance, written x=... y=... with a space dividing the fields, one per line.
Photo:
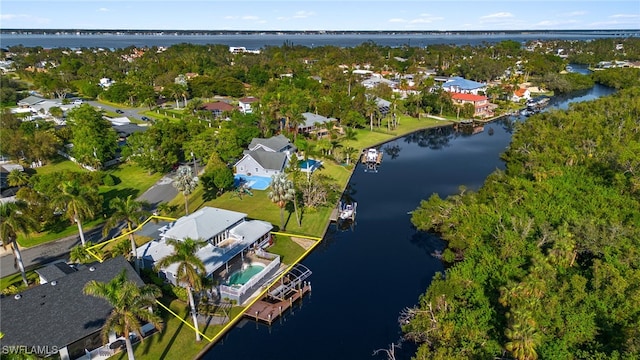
x=254 y=182
x=309 y=165
x=241 y=277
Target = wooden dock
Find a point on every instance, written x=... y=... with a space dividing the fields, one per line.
x=267 y=312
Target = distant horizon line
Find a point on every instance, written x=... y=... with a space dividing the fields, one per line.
x=53 y=30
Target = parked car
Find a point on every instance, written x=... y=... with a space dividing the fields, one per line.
x=119 y=111
x=144 y=118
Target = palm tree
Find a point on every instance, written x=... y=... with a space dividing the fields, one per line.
x=131 y=212
x=281 y=192
x=186 y=183
x=75 y=202
x=17 y=178
x=130 y=304
x=190 y=268
x=15 y=219
x=371 y=109
x=80 y=255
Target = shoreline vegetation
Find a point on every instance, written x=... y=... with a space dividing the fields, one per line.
x=177 y=137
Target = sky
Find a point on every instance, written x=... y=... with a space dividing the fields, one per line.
x=285 y=15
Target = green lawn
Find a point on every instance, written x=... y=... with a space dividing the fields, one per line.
x=133 y=181
x=288 y=249
x=176 y=340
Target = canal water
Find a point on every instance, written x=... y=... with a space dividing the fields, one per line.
x=365 y=274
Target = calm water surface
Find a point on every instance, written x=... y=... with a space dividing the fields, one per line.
x=257 y=41
x=365 y=275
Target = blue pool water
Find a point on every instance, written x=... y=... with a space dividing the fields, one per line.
x=254 y=182
x=309 y=164
x=241 y=277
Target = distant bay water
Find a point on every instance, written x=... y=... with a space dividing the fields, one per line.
x=114 y=40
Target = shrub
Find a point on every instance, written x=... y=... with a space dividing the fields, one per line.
x=110 y=180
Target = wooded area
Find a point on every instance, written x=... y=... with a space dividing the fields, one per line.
x=544 y=258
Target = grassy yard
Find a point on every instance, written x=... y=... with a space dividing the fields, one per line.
x=176 y=340
x=131 y=183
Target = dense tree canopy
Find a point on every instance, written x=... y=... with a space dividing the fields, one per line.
x=544 y=257
x=94 y=139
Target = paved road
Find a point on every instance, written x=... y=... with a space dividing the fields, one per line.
x=162 y=191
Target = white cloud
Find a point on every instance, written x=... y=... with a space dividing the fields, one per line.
x=303 y=14
x=577 y=13
x=230 y=17
x=250 y=17
x=103 y=9
x=25 y=18
x=550 y=23
x=499 y=15
x=624 y=16
x=423 y=19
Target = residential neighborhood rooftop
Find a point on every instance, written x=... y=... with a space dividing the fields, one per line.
x=48 y=314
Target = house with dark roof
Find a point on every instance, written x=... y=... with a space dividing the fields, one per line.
x=278 y=143
x=57 y=318
x=245 y=104
x=218 y=108
x=266 y=157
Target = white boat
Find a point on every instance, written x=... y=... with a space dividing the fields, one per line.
x=371 y=155
x=347 y=211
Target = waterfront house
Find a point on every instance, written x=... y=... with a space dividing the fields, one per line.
x=245 y=104
x=521 y=94
x=266 y=156
x=481 y=104
x=56 y=318
x=458 y=84
x=314 y=124
x=231 y=240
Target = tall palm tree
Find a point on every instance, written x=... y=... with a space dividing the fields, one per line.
x=130 y=304
x=371 y=109
x=15 y=219
x=131 y=212
x=74 y=200
x=186 y=183
x=282 y=191
x=190 y=269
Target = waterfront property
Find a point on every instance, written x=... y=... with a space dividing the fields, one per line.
x=56 y=317
x=266 y=157
x=459 y=84
x=233 y=256
x=481 y=105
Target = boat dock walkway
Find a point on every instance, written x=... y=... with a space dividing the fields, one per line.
x=281 y=295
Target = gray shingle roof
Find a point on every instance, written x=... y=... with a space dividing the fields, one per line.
x=57 y=315
x=269 y=160
x=275 y=143
x=311 y=119
x=31 y=100
x=55 y=271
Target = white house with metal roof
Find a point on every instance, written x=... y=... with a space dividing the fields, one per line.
x=228 y=235
x=459 y=84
